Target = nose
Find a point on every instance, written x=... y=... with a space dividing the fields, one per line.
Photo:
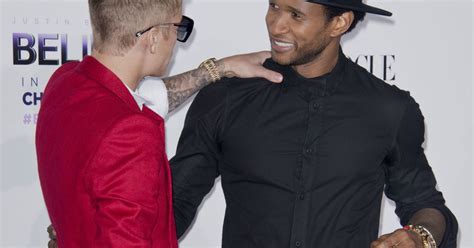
x=277 y=24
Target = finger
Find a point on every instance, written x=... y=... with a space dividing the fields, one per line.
x=264 y=55
x=392 y=242
x=399 y=239
x=379 y=242
x=270 y=75
x=405 y=238
x=52 y=244
x=51 y=232
x=385 y=244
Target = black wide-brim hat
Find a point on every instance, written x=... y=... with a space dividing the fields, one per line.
x=356 y=5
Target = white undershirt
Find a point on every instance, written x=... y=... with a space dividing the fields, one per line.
x=153 y=93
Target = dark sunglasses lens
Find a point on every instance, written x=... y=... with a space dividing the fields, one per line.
x=182 y=33
x=185 y=28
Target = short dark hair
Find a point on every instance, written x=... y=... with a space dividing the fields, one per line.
x=332 y=12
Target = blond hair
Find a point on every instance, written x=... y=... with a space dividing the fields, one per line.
x=115 y=22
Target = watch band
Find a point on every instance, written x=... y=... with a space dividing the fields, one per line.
x=425 y=235
x=211 y=68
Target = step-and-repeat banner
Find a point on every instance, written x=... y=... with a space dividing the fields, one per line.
x=426 y=48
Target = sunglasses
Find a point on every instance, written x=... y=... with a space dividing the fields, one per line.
x=185 y=27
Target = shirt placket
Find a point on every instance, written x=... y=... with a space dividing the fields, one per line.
x=308 y=158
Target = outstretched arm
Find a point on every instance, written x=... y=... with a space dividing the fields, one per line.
x=182 y=86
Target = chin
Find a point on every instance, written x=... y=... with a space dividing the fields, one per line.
x=281 y=60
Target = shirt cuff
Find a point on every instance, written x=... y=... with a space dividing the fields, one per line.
x=154 y=91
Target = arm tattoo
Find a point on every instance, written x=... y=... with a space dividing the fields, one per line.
x=183 y=86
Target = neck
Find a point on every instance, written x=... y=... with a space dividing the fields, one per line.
x=122 y=66
x=321 y=65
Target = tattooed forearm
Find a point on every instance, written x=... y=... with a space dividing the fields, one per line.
x=183 y=86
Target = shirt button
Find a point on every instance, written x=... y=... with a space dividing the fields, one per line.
x=308 y=151
x=298 y=175
x=298 y=244
x=316 y=106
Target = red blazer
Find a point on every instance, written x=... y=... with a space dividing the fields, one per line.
x=102 y=162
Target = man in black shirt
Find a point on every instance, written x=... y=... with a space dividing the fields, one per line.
x=305 y=163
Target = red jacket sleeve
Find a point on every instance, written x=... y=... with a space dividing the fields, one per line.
x=122 y=180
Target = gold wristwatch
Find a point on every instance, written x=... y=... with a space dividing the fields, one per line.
x=425 y=235
x=211 y=68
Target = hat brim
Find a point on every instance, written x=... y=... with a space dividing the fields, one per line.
x=362 y=7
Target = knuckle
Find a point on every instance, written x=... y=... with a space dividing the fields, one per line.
x=411 y=243
x=374 y=244
x=402 y=233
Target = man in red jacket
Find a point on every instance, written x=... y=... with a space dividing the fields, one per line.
x=100 y=145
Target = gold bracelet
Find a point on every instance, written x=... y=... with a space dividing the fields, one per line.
x=211 y=68
x=425 y=235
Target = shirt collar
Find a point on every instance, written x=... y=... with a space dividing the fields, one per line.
x=323 y=85
x=138 y=99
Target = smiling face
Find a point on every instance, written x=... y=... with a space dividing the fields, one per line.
x=299 y=31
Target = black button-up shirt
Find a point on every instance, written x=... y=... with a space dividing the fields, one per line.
x=305 y=163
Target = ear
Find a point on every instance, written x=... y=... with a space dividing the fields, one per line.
x=342 y=23
x=154 y=39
